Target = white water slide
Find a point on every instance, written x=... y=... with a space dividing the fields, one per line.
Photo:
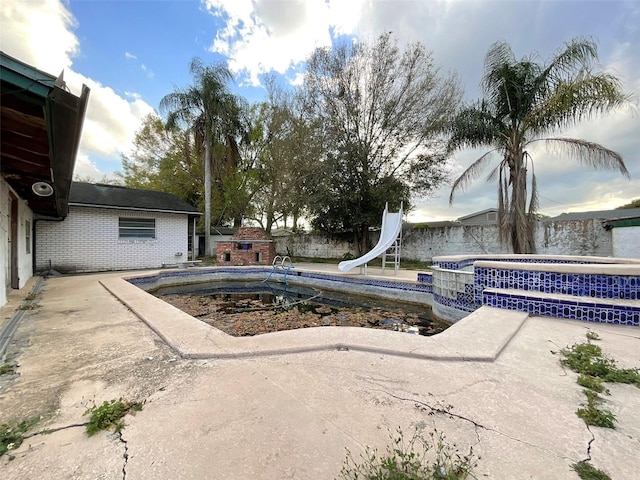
x=391 y=228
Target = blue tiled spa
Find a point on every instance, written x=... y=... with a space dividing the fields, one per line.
x=594 y=289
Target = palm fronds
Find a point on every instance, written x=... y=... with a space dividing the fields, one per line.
x=524 y=100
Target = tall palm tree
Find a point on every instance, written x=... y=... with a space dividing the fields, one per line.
x=207 y=107
x=523 y=103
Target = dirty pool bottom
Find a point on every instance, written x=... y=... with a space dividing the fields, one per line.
x=246 y=309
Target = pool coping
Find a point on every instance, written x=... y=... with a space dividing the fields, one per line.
x=481 y=336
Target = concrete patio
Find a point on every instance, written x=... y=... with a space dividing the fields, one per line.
x=487 y=383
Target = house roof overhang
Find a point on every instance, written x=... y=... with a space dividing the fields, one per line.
x=41 y=124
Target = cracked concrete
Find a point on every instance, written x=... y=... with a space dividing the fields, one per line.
x=293 y=416
x=125 y=455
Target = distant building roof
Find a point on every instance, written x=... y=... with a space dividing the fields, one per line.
x=437 y=224
x=598 y=215
x=475 y=214
x=114 y=196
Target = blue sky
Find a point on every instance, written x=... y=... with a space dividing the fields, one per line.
x=132 y=53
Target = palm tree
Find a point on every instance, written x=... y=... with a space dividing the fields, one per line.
x=209 y=109
x=523 y=103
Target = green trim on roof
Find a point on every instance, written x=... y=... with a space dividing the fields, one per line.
x=26 y=78
x=633 y=222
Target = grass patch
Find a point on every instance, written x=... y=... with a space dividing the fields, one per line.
x=110 y=415
x=377 y=263
x=404 y=264
x=12 y=434
x=586 y=471
x=28 y=306
x=7 y=368
x=417 y=459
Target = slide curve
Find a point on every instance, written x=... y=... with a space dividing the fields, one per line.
x=391 y=226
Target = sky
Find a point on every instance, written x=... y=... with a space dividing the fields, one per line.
x=133 y=52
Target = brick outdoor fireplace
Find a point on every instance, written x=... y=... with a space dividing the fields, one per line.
x=249 y=246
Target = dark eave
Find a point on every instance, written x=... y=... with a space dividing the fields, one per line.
x=41 y=126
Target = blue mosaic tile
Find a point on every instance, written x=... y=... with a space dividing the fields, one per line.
x=213 y=272
x=467 y=262
x=621 y=287
x=469 y=297
x=455 y=303
x=561 y=308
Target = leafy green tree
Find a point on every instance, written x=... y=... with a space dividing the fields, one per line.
x=285 y=152
x=164 y=160
x=523 y=103
x=381 y=112
x=632 y=204
x=210 y=110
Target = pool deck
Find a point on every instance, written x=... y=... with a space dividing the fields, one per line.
x=286 y=405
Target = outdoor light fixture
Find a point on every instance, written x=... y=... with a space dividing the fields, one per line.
x=42 y=189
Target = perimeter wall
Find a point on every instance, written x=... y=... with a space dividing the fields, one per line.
x=574 y=237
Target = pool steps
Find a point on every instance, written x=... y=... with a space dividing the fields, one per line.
x=592 y=289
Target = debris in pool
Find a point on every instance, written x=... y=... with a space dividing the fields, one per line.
x=248 y=314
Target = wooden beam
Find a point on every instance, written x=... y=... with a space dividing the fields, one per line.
x=39 y=144
x=13 y=166
x=26 y=124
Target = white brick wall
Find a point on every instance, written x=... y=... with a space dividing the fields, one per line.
x=87 y=241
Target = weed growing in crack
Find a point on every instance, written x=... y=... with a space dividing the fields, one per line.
x=592 y=383
x=586 y=471
x=595 y=368
x=12 y=434
x=591 y=335
x=417 y=459
x=7 y=368
x=588 y=359
x=29 y=306
x=110 y=415
x=592 y=414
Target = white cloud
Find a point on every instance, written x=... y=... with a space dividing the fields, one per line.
x=40 y=33
x=275 y=35
x=130 y=56
x=146 y=70
x=86 y=169
x=111 y=120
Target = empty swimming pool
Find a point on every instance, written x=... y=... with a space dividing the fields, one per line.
x=253 y=308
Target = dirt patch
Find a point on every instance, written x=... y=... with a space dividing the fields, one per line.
x=246 y=317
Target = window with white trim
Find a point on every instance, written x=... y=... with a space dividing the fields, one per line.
x=130 y=228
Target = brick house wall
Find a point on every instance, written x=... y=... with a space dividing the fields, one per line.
x=88 y=241
x=249 y=246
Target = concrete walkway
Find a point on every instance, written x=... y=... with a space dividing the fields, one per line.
x=292 y=415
